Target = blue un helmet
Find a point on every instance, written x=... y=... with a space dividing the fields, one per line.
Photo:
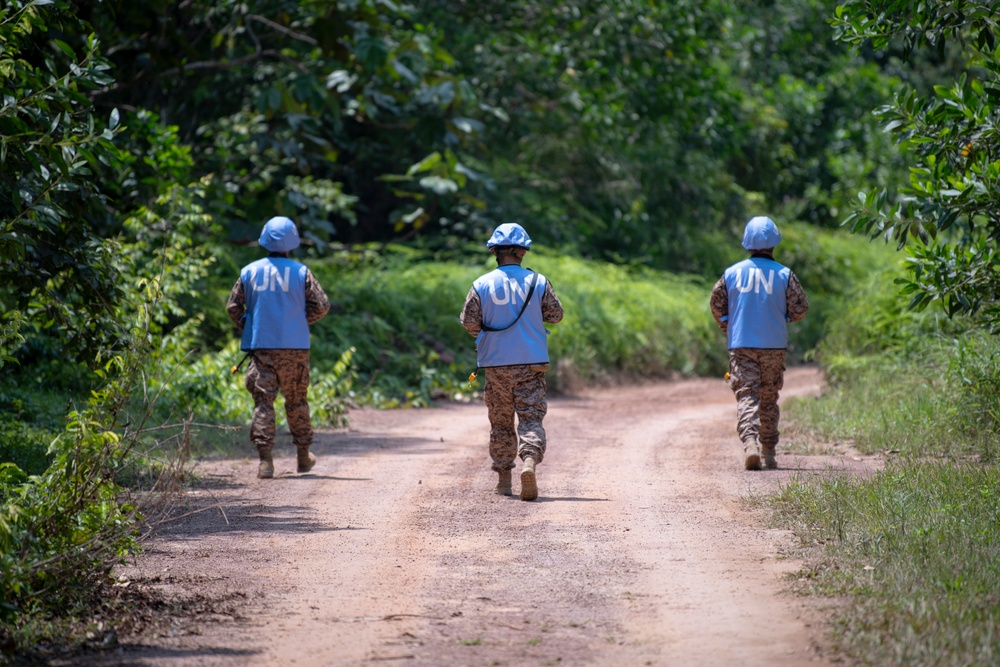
x=510 y=234
x=279 y=235
x=761 y=233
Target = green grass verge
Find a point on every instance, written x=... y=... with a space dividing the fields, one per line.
x=905 y=382
x=915 y=547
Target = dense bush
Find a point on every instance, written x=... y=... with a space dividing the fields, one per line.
x=903 y=380
x=400 y=311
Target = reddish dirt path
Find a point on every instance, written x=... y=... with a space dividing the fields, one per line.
x=639 y=550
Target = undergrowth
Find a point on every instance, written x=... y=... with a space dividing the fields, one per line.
x=913 y=546
x=399 y=310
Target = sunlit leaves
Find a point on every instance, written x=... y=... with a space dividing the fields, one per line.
x=338 y=92
x=950 y=210
x=54 y=149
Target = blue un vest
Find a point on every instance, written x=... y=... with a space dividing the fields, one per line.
x=275 y=291
x=757 y=304
x=501 y=294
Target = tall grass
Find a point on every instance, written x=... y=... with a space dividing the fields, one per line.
x=915 y=546
x=900 y=381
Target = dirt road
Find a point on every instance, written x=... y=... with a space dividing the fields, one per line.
x=639 y=550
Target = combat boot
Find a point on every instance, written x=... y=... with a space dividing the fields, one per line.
x=504 y=486
x=529 y=487
x=768 y=458
x=751 y=454
x=306 y=459
x=266 y=468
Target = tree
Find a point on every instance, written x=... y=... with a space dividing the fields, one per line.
x=612 y=119
x=344 y=115
x=645 y=132
x=55 y=151
x=949 y=214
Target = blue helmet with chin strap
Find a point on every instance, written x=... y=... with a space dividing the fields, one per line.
x=279 y=235
x=510 y=234
x=761 y=233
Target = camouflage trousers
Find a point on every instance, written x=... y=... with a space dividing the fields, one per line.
x=516 y=390
x=756 y=377
x=269 y=372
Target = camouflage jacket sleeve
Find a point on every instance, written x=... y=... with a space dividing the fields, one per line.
x=236 y=306
x=719 y=303
x=795 y=298
x=472 y=313
x=317 y=303
x=552 y=309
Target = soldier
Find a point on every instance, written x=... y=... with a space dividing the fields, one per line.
x=273 y=303
x=753 y=303
x=506 y=310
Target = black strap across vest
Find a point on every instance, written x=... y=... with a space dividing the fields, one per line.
x=531 y=290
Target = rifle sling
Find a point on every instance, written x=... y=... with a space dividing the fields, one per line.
x=531 y=290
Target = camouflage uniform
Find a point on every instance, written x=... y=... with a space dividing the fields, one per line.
x=287 y=370
x=511 y=390
x=755 y=375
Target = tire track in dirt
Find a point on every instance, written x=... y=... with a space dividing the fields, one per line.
x=638 y=551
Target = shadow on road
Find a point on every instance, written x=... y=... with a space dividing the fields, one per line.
x=136 y=654
x=571 y=499
x=206 y=517
x=309 y=475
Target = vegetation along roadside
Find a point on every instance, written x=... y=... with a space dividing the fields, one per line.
x=631 y=139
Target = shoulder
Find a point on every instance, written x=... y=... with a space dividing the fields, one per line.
x=252 y=265
x=488 y=276
x=738 y=265
x=769 y=263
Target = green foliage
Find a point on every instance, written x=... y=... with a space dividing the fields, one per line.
x=913 y=545
x=10 y=335
x=641 y=132
x=55 y=149
x=872 y=323
x=24 y=446
x=901 y=379
x=400 y=309
x=614 y=117
x=61 y=530
x=333 y=111
x=810 y=143
x=634 y=323
x=948 y=212
x=975 y=373
x=634 y=132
